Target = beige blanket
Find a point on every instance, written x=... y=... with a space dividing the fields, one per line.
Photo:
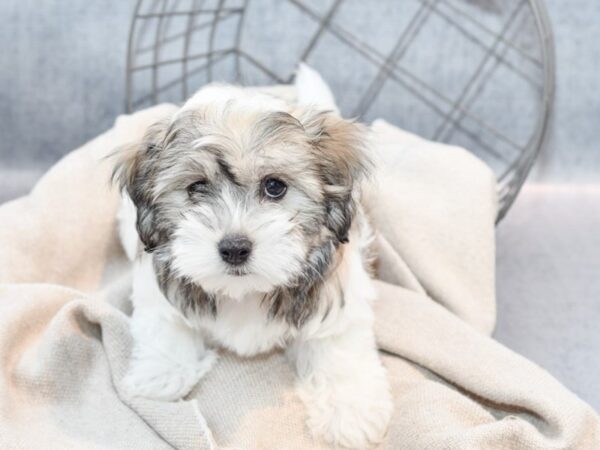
x=64 y=340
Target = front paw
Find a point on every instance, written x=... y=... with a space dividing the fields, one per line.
x=159 y=378
x=353 y=415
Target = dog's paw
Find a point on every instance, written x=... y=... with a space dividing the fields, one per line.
x=159 y=378
x=351 y=417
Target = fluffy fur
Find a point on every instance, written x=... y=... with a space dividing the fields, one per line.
x=199 y=177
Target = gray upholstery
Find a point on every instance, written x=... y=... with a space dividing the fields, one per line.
x=62 y=82
x=548 y=283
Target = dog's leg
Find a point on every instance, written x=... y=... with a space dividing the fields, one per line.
x=168 y=357
x=344 y=386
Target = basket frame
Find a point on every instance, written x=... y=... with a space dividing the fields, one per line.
x=509 y=182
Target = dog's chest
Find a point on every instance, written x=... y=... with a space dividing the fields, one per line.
x=243 y=326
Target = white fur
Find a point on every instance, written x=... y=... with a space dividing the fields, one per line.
x=217 y=94
x=340 y=377
x=168 y=357
x=126 y=218
x=276 y=252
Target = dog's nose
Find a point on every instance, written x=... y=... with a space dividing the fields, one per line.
x=235 y=250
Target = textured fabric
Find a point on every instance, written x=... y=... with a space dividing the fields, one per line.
x=64 y=340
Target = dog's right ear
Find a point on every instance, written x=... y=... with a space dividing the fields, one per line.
x=135 y=172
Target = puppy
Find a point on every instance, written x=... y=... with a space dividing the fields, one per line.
x=247 y=206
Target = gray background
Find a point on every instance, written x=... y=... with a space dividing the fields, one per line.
x=62 y=71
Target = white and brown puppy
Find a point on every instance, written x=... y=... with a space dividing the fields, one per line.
x=253 y=237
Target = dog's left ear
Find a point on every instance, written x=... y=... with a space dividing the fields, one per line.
x=340 y=148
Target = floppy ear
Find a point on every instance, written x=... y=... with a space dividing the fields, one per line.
x=340 y=151
x=135 y=173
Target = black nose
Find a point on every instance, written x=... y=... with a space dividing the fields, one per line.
x=235 y=250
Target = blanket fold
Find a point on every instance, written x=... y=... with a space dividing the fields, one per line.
x=520 y=407
x=64 y=340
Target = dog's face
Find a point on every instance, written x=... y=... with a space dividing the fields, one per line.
x=240 y=192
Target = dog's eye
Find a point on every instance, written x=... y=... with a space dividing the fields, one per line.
x=197 y=187
x=274 y=188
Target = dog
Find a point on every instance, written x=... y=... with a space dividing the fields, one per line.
x=252 y=237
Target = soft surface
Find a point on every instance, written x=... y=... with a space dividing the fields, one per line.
x=64 y=341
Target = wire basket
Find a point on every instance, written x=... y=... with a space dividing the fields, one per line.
x=475 y=73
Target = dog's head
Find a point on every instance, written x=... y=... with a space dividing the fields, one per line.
x=241 y=192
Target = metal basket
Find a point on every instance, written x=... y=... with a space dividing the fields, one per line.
x=476 y=73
